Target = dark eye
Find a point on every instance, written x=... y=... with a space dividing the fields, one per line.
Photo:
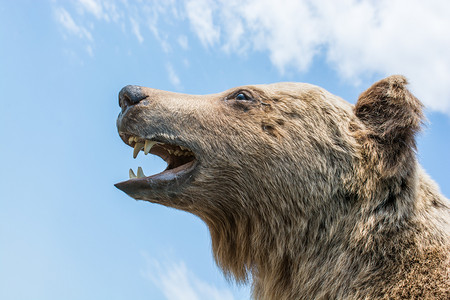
x=242 y=96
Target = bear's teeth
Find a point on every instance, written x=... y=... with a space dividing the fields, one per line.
x=138 y=147
x=140 y=173
x=148 y=146
x=133 y=139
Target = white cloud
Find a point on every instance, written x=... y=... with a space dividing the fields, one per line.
x=102 y=9
x=200 y=15
x=138 y=18
x=173 y=77
x=151 y=13
x=176 y=282
x=391 y=37
x=287 y=29
x=89 y=50
x=359 y=38
x=66 y=20
x=94 y=7
x=136 y=30
x=183 y=42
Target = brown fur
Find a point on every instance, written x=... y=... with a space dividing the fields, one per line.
x=312 y=197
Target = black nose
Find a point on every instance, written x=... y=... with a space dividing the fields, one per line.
x=131 y=95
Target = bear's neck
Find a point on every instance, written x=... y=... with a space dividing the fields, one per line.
x=354 y=252
x=305 y=261
x=332 y=252
x=292 y=253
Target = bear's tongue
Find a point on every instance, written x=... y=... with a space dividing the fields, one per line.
x=178 y=158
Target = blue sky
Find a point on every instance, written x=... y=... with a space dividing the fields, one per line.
x=65 y=231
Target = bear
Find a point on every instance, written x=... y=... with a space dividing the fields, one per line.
x=305 y=194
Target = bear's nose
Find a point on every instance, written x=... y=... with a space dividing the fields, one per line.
x=131 y=95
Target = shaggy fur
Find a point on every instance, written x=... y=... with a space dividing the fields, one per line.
x=313 y=197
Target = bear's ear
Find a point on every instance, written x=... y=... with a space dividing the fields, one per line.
x=392 y=116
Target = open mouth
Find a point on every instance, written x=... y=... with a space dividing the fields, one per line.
x=181 y=162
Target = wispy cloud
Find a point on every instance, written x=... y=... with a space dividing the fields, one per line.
x=176 y=282
x=93 y=6
x=65 y=19
x=173 y=77
x=89 y=50
x=101 y=9
x=200 y=14
x=136 y=30
x=183 y=42
x=357 y=38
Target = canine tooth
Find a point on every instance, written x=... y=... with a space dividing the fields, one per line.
x=137 y=148
x=170 y=151
x=130 y=139
x=148 y=146
x=131 y=173
x=140 y=173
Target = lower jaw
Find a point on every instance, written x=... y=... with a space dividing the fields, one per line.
x=167 y=182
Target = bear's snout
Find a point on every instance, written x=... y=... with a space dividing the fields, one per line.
x=131 y=95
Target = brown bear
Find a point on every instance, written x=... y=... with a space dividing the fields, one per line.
x=309 y=196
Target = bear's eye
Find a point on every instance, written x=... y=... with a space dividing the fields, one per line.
x=242 y=97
